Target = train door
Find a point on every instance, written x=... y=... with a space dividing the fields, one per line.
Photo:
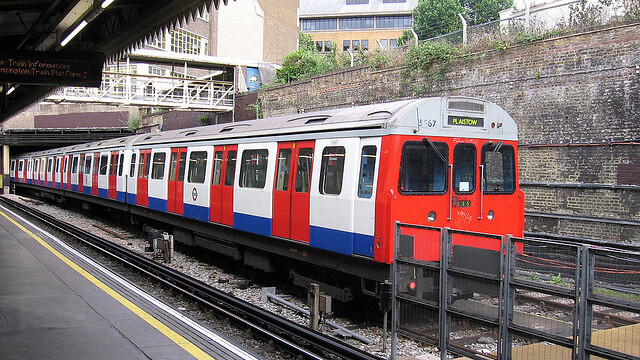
x=29 y=171
x=67 y=175
x=333 y=196
x=94 y=174
x=113 y=174
x=217 y=179
x=20 y=171
x=196 y=198
x=175 y=203
x=142 y=187
x=121 y=178
x=157 y=190
x=80 y=179
x=57 y=175
x=72 y=172
x=365 y=201
x=49 y=179
x=291 y=190
x=13 y=171
x=226 y=198
x=132 y=180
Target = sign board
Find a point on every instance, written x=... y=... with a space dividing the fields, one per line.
x=465 y=121
x=51 y=68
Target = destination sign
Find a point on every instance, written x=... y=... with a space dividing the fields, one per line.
x=51 y=68
x=466 y=121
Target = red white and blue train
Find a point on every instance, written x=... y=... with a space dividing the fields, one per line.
x=316 y=194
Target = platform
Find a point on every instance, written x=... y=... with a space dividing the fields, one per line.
x=57 y=304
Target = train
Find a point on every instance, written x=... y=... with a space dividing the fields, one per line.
x=315 y=195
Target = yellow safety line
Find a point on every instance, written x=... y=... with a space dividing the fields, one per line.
x=175 y=337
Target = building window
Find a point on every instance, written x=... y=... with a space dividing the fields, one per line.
x=352 y=23
x=159 y=41
x=204 y=15
x=393 y=1
x=154 y=70
x=331 y=170
x=356 y=45
x=384 y=43
x=386 y=22
x=346 y=45
x=319 y=24
x=186 y=42
x=319 y=46
x=393 y=43
x=356 y=2
x=364 y=44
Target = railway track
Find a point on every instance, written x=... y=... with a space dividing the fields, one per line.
x=298 y=340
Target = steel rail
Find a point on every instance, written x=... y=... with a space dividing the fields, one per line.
x=293 y=338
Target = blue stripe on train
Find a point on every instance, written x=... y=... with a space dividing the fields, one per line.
x=157 y=204
x=131 y=198
x=253 y=224
x=86 y=190
x=120 y=196
x=339 y=241
x=196 y=212
x=104 y=193
x=74 y=187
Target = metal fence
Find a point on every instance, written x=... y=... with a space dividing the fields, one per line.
x=514 y=298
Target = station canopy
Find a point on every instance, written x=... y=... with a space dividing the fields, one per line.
x=46 y=43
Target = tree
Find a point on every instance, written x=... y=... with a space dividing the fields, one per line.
x=304 y=62
x=438 y=17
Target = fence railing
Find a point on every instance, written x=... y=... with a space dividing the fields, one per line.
x=153 y=91
x=494 y=297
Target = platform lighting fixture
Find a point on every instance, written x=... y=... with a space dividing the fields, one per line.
x=74 y=33
x=11 y=89
x=106 y=3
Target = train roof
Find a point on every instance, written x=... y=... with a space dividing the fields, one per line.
x=438 y=116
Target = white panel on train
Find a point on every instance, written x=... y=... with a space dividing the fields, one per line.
x=197 y=182
x=252 y=203
x=121 y=179
x=104 y=163
x=158 y=179
x=333 y=185
x=87 y=178
x=365 y=200
x=132 y=176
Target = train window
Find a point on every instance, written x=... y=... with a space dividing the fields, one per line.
x=230 y=175
x=303 y=174
x=120 y=164
x=141 y=162
x=197 y=167
x=331 y=170
x=132 y=169
x=147 y=165
x=253 y=168
x=87 y=165
x=499 y=168
x=217 y=168
x=113 y=166
x=21 y=165
x=422 y=169
x=57 y=165
x=182 y=161
x=13 y=165
x=50 y=165
x=74 y=167
x=173 y=167
x=464 y=168
x=96 y=164
x=159 y=158
x=36 y=166
x=284 y=168
x=104 y=163
x=367 y=171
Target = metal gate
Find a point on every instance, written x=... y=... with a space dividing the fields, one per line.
x=515 y=298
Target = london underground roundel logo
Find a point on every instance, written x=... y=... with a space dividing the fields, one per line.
x=194 y=194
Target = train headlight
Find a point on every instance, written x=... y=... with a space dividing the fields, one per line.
x=490 y=215
x=431 y=216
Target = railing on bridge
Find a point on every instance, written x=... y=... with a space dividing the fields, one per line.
x=152 y=91
x=516 y=299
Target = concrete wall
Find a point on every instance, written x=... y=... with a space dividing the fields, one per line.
x=575 y=99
